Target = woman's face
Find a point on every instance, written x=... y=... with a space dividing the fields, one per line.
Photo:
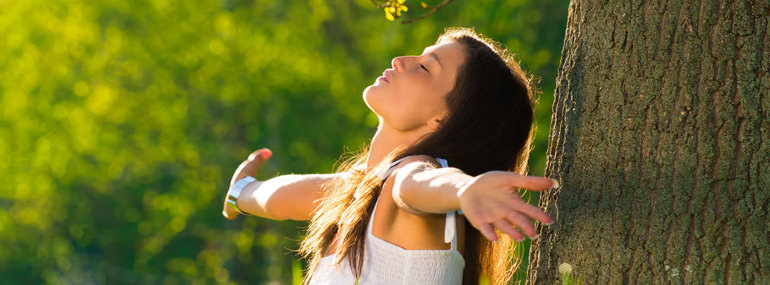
x=411 y=94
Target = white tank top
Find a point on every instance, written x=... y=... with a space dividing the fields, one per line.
x=387 y=263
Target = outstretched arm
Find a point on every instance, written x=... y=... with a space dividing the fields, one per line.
x=489 y=200
x=291 y=196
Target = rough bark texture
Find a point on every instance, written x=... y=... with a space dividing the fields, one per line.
x=661 y=140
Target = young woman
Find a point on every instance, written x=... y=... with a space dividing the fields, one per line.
x=455 y=128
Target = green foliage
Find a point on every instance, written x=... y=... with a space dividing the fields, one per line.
x=121 y=123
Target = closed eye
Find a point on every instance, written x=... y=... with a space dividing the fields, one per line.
x=423 y=67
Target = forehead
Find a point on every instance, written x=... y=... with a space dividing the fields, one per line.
x=450 y=54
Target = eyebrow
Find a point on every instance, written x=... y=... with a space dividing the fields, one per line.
x=436 y=57
x=432 y=54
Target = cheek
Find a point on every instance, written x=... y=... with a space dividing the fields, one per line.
x=415 y=111
x=421 y=99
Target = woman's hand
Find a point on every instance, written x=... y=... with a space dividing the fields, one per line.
x=248 y=167
x=491 y=200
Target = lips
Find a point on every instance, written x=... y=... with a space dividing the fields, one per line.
x=385 y=76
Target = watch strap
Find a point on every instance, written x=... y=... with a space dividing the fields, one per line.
x=235 y=192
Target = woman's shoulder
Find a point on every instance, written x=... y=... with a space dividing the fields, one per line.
x=420 y=158
x=402 y=162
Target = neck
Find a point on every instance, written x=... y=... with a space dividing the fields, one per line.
x=386 y=139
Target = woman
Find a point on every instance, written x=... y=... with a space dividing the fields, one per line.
x=388 y=217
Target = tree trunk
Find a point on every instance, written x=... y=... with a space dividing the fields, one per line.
x=661 y=141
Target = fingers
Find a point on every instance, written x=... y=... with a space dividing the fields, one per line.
x=493 y=209
x=246 y=168
x=532 y=212
x=512 y=224
x=534 y=183
x=505 y=227
x=228 y=215
x=228 y=211
x=252 y=164
x=261 y=155
x=485 y=229
x=522 y=222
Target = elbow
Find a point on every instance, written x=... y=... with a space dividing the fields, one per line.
x=409 y=191
x=405 y=195
x=400 y=196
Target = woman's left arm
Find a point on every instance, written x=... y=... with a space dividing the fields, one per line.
x=489 y=200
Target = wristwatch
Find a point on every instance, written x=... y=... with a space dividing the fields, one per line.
x=235 y=192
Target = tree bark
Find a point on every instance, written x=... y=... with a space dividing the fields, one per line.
x=661 y=141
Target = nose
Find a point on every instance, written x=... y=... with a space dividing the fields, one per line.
x=398 y=63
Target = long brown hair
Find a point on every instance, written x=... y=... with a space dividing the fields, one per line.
x=488 y=127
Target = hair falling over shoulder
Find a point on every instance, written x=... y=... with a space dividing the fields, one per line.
x=489 y=126
x=344 y=210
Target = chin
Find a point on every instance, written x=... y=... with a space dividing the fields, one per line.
x=370 y=98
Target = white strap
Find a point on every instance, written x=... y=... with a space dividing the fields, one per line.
x=385 y=172
x=450 y=228
x=442 y=162
x=382 y=174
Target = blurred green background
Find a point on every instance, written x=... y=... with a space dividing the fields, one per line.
x=121 y=123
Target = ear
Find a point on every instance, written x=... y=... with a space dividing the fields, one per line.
x=435 y=122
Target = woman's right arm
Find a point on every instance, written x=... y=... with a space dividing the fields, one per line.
x=292 y=196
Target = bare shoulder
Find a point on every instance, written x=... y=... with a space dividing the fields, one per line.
x=425 y=161
x=398 y=224
x=420 y=158
x=406 y=168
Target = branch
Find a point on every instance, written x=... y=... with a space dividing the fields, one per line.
x=431 y=12
x=378 y=5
